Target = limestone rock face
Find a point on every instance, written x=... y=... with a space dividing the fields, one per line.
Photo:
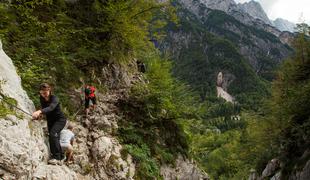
x=22 y=145
x=12 y=83
x=54 y=172
x=223 y=5
x=21 y=148
x=271 y=168
x=108 y=150
x=183 y=170
x=284 y=25
x=255 y=10
x=303 y=174
x=221 y=86
x=250 y=13
x=115 y=76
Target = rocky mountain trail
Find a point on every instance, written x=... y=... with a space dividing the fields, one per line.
x=98 y=153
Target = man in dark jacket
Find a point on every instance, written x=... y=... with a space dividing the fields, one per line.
x=56 y=121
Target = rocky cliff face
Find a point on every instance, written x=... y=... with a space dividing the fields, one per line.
x=284 y=25
x=223 y=5
x=257 y=45
x=255 y=10
x=12 y=83
x=184 y=170
x=250 y=13
x=97 y=152
x=222 y=84
x=274 y=171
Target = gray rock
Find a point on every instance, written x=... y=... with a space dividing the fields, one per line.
x=255 y=10
x=53 y=172
x=223 y=5
x=284 y=25
x=271 y=168
x=12 y=83
x=253 y=175
x=277 y=176
x=108 y=150
x=183 y=170
x=303 y=174
x=22 y=148
x=250 y=13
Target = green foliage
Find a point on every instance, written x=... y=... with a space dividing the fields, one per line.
x=6 y=104
x=216 y=152
x=285 y=118
x=290 y=105
x=87 y=168
x=58 y=41
x=5 y=110
x=150 y=128
x=147 y=167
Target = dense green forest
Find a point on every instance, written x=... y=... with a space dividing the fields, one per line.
x=58 y=41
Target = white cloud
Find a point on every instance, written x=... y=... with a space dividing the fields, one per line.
x=287 y=9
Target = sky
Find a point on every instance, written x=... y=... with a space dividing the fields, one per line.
x=296 y=11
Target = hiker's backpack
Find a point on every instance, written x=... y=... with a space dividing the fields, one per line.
x=90 y=91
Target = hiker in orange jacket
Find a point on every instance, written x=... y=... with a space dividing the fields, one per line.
x=89 y=95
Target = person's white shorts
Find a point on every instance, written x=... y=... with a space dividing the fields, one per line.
x=66 y=147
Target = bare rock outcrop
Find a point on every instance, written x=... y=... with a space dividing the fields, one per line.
x=221 y=86
x=11 y=83
x=271 y=168
x=183 y=170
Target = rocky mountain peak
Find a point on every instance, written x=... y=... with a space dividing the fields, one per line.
x=255 y=10
x=284 y=25
x=223 y=5
x=250 y=14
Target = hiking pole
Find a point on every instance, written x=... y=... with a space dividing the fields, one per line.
x=74 y=115
x=76 y=112
x=14 y=106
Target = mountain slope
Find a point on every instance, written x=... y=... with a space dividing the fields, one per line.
x=284 y=25
x=250 y=14
x=199 y=56
x=209 y=41
x=255 y=10
x=262 y=49
x=67 y=44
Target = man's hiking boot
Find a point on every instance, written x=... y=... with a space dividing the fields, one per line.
x=55 y=162
x=69 y=162
x=52 y=161
x=60 y=162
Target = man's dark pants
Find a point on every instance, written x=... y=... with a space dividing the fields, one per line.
x=54 y=129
